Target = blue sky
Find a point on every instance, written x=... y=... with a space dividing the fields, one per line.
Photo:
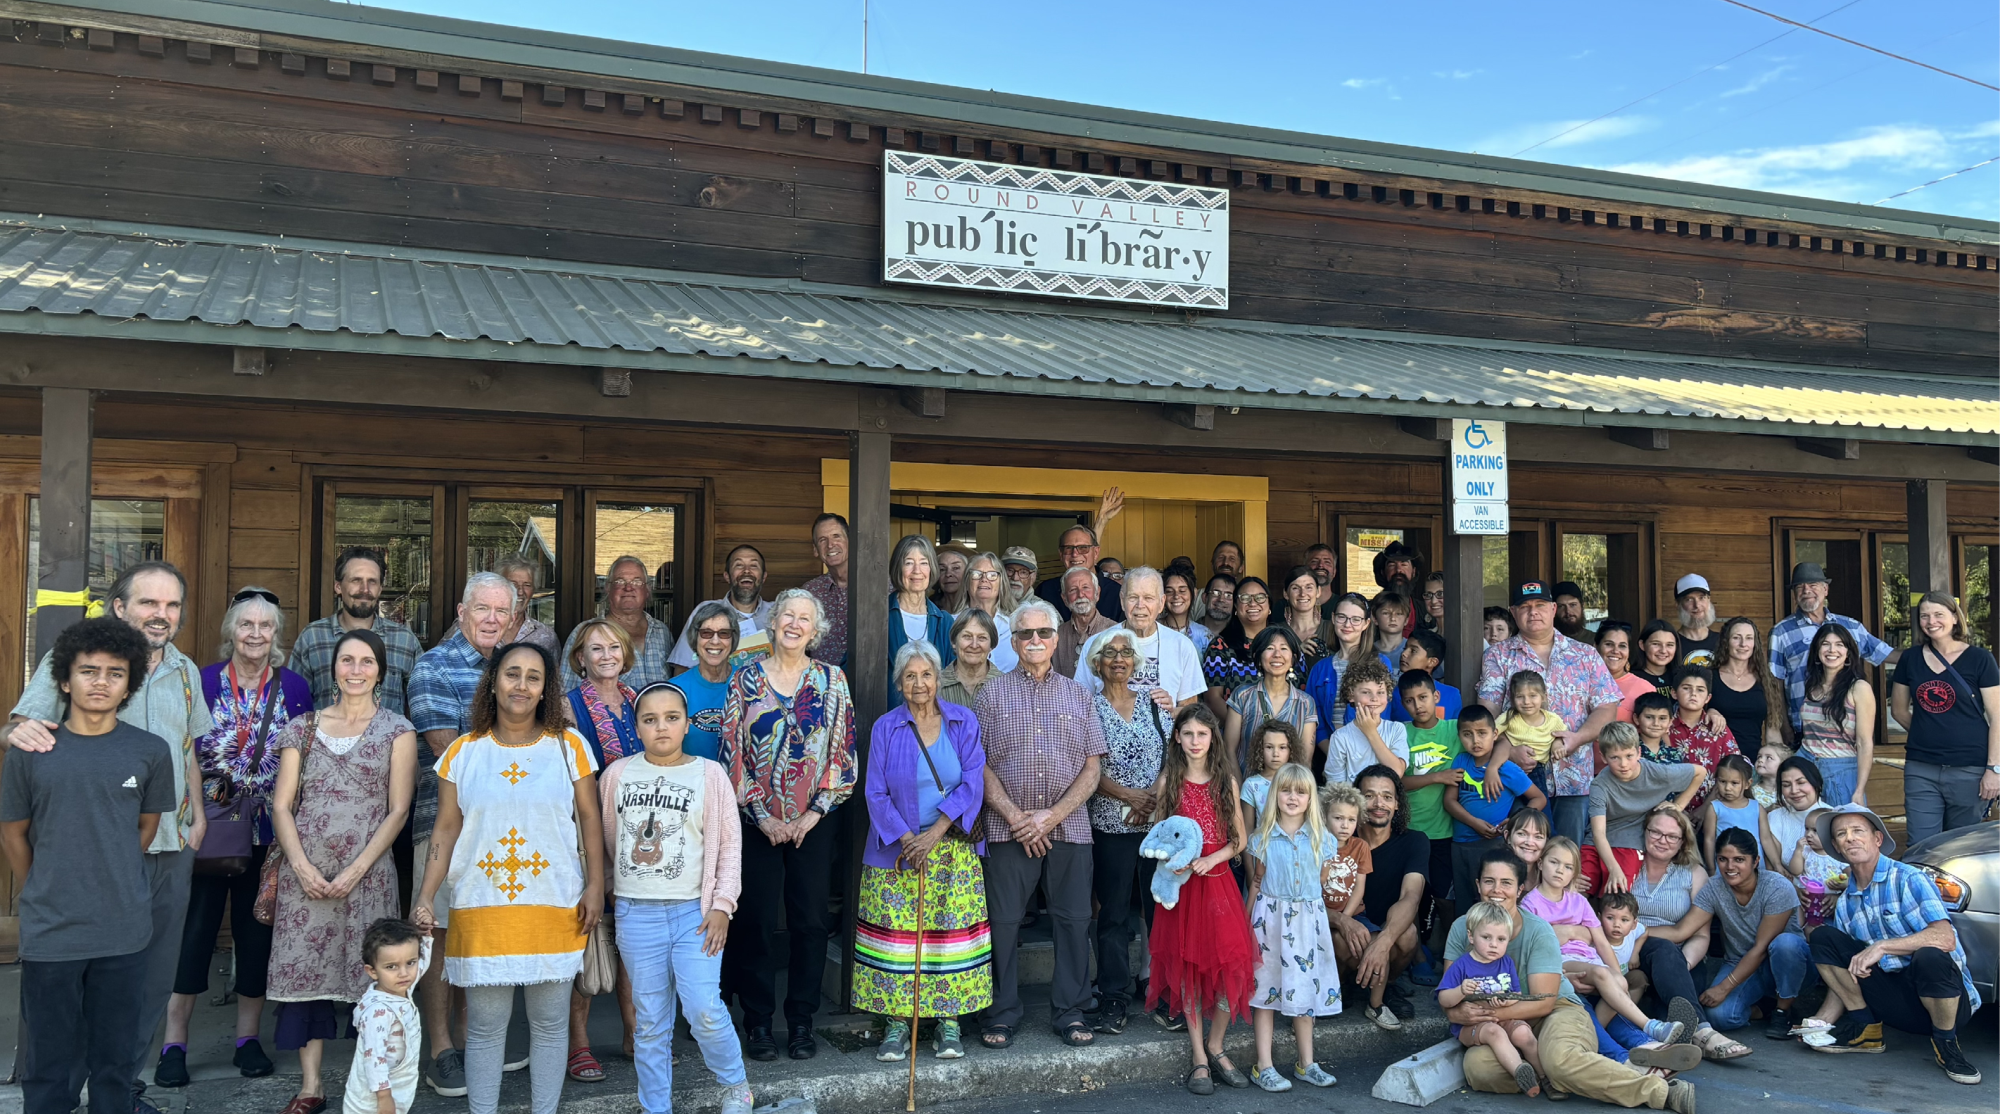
x=1750 y=105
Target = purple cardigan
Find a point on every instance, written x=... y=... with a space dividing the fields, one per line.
x=894 y=766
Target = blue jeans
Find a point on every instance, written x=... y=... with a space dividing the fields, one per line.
x=1781 y=975
x=660 y=943
x=1608 y=1046
x=1840 y=775
x=1569 y=816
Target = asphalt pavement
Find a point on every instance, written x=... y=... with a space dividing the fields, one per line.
x=1780 y=1078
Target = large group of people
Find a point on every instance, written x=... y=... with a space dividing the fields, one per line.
x=644 y=812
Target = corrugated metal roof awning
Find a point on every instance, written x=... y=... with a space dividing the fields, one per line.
x=366 y=297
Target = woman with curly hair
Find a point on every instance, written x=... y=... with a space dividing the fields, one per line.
x=513 y=794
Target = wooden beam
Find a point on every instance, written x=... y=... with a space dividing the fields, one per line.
x=924 y=402
x=1650 y=440
x=1428 y=429
x=1930 y=539
x=1832 y=448
x=63 y=566
x=614 y=382
x=1984 y=454
x=251 y=361
x=867 y=637
x=1200 y=418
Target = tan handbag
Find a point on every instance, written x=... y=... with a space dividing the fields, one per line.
x=600 y=962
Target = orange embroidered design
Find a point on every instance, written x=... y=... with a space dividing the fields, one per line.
x=512 y=865
x=514 y=774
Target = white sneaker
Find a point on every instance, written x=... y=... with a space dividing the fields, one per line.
x=1383 y=1017
x=738 y=1100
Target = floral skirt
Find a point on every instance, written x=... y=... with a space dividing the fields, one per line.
x=1297 y=974
x=958 y=945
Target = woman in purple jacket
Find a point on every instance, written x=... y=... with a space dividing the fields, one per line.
x=925 y=784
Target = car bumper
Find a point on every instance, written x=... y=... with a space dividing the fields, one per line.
x=1979 y=935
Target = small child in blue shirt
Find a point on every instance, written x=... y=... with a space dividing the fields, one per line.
x=1486 y=968
x=1477 y=820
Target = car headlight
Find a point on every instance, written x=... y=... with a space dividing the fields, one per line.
x=1951 y=889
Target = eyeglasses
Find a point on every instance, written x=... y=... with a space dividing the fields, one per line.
x=1664 y=837
x=1429 y=596
x=1034 y=634
x=712 y=635
x=1220 y=594
x=255 y=594
x=1075 y=548
x=1340 y=620
x=1253 y=601
x=628 y=582
x=1121 y=653
x=985 y=575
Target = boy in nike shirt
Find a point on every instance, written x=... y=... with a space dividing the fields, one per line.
x=75 y=822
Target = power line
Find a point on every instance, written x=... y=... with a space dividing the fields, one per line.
x=1935 y=181
x=1666 y=88
x=1862 y=45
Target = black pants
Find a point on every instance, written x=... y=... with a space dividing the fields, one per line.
x=1011 y=878
x=1465 y=865
x=80 y=1018
x=1893 y=995
x=1118 y=872
x=1666 y=967
x=784 y=887
x=207 y=894
x=1439 y=888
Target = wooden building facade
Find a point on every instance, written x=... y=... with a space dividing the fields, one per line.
x=281 y=278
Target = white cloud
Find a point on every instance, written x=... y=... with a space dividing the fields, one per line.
x=1842 y=168
x=1456 y=75
x=1758 y=82
x=1364 y=82
x=1571 y=133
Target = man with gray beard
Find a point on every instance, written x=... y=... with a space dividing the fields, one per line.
x=1700 y=642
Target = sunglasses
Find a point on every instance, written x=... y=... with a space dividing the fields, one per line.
x=255 y=594
x=1034 y=634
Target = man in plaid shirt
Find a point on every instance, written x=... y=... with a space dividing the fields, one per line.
x=1792 y=637
x=357 y=592
x=1891 y=954
x=1043 y=749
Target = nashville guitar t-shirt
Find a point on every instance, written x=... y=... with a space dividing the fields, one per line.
x=659 y=831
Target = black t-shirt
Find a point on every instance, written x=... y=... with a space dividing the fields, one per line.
x=1409 y=853
x=1705 y=652
x=1947 y=724
x=1745 y=712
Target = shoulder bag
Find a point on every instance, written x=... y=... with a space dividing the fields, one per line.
x=972 y=833
x=1958 y=679
x=265 y=909
x=232 y=815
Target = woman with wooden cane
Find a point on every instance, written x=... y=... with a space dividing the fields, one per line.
x=922 y=945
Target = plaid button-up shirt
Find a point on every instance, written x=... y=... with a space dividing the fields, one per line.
x=312 y=658
x=1578 y=684
x=1038 y=733
x=1898 y=901
x=441 y=688
x=1792 y=637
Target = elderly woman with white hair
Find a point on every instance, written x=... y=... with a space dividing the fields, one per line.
x=250 y=696
x=920 y=866
x=788 y=739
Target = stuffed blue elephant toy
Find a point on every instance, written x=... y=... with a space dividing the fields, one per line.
x=1176 y=842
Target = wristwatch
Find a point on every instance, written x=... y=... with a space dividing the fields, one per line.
x=1993 y=769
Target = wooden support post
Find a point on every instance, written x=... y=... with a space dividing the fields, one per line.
x=1930 y=540
x=867 y=649
x=1193 y=417
x=62 y=571
x=1650 y=440
x=1461 y=558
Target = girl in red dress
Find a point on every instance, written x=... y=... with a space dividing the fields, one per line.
x=1203 y=958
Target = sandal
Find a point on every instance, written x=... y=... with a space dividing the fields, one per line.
x=583 y=1066
x=997 y=1037
x=1715 y=1046
x=1670 y=1057
x=1076 y=1034
x=1526 y=1080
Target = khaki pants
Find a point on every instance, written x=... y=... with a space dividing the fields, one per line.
x=1569 y=1052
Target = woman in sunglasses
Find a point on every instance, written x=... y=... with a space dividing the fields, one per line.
x=251 y=696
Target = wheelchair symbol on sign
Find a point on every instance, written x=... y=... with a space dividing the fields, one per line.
x=1475 y=437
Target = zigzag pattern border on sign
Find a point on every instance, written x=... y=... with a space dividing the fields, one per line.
x=1045 y=282
x=1113 y=189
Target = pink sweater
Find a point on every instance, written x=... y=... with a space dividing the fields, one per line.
x=721 y=833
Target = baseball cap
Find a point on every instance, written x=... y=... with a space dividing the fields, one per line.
x=1823 y=824
x=1692 y=582
x=1531 y=590
x=1566 y=588
x=1019 y=555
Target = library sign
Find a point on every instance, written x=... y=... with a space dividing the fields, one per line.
x=1032 y=230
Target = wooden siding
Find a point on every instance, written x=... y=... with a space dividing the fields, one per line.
x=263 y=151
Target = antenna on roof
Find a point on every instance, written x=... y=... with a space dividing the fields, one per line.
x=864 y=36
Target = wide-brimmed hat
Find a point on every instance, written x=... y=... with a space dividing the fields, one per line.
x=1807 y=572
x=1823 y=824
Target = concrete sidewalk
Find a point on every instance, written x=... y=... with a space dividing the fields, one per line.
x=843 y=1078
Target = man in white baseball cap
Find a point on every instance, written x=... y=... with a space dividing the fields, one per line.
x=1700 y=640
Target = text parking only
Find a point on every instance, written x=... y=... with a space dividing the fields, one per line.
x=1478 y=477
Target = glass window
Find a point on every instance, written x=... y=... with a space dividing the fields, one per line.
x=1496 y=573
x=498 y=529
x=1586 y=559
x=399 y=528
x=122 y=532
x=1896 y=593
x=1977 y=595
x=650 y=532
